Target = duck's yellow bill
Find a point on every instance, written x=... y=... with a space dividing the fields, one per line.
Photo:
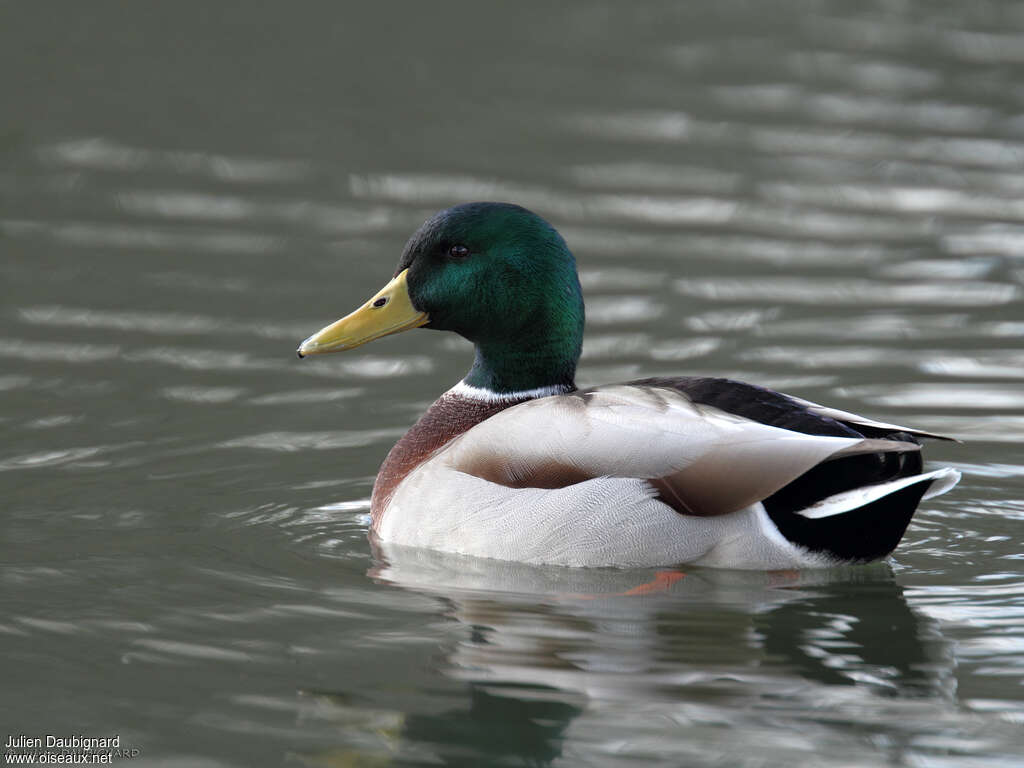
x=388 y=311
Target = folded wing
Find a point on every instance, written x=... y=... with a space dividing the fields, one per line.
x=702 y=460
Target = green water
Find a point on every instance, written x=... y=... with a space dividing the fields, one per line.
x=823 y=197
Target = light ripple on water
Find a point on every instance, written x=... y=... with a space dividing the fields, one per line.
x=990 y=364
x=51 y=625
x=159 y=323
x=322 y=217
x=946 y=269
x=289 y=442
x=670 y=246
x=55 y=420
x=781 y=251
x=370 y=367
x=991 y=470
x=106 y=155
x=953 y=395
x=205 y=283
x=883 y=326
x=617 y=278
x=987 y=153
x=15 y=381
x=849 y=292
x=177 y=651
x=620 y=310
x=202 y=359
x=1003 y=428
x=203 y=395
x=725 y=320
x=835 y=356
x=306 y=396
x=92 y=235
x=684 y=350
x=151 y=322
x=60 y=457
x=923 y=201
x=851 y=108
x=345 y=506
x=434 y=188
x=672 y=127
x=657 y=177
x=984 y=47
x=998 y=239
x=64 y=352
x=873 y=73
x=603 y=346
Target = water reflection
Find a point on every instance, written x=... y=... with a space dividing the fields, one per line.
x=579 y=665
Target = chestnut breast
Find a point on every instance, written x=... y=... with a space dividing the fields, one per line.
x=450 y=416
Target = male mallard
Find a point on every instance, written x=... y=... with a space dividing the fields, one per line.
x=515 y=463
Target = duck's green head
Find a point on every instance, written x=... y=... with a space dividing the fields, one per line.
x=494 y=273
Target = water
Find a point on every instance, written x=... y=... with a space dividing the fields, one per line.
x=819 y=196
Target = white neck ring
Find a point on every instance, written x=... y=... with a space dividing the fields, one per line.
x=462 y=389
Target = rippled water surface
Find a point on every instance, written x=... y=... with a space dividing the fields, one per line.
x=824 y=197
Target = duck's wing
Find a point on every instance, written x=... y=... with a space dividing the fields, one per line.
x=868 y=427
x=702 y=459
x=770 y=407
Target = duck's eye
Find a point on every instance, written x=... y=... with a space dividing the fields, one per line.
x=458 y=251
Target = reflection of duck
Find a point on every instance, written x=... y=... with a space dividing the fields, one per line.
x=580 y=661
x=856 y=633
x=513 y=463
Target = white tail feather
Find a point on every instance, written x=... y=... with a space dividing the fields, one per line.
x=945 y=479
x=941 y=480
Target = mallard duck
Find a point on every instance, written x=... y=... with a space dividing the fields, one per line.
x=515 y=463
